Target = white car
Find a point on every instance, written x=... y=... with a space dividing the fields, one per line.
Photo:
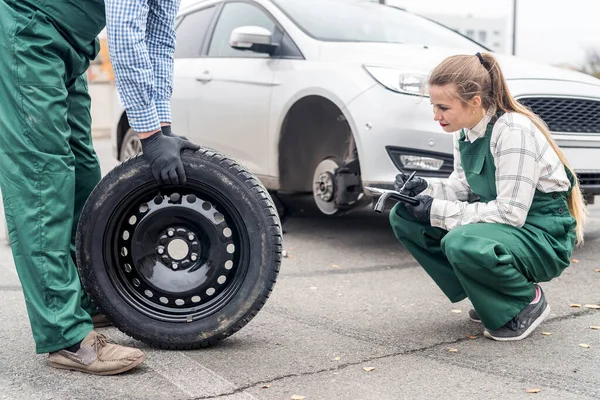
x=325 y=96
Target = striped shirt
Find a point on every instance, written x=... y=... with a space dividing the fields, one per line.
x=524 y=162
x=141 y=42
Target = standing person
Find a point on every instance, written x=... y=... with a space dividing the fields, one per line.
x=141 y=43
x=511 y=212
x=48 y=167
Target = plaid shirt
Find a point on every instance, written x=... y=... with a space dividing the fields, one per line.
x=524 y=161
x=141 y=42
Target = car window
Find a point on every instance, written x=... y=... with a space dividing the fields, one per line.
x=368 y=21
x=233 y=16
x=191 y=32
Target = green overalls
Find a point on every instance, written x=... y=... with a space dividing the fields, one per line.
x=48 y=165
x=495 y=265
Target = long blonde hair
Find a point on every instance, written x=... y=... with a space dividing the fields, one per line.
x=473 y=76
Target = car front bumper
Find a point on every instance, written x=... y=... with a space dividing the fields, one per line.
x=389 y=124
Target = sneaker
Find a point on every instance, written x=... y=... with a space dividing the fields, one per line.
x=523 y=324
x=473 y=316
x=100 y=321
x=97 y=357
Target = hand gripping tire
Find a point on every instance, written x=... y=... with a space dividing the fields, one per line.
x=179 y=267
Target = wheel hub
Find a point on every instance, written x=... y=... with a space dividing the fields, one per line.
x=177 y=254
x=324 y=187
x=178 y=247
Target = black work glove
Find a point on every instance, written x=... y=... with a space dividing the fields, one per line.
x=163 y=153
x=166 y=130
x=422 y=211
x=415 y=186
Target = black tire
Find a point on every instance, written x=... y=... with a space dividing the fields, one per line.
x=282 y=209
x=114 y=278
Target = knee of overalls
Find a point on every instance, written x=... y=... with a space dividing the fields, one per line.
x=401 y=221
x=474 y=245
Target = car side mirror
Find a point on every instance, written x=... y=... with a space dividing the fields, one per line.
x=253 y=38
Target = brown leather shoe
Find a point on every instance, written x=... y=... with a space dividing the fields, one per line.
x=97 y=357
x=100 y=321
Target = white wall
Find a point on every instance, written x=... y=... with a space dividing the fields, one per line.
x=103 y=96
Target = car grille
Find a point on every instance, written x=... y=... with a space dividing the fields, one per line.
x=589 y=178
x=566 y=115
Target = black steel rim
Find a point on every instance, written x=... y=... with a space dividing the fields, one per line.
x=176 y=253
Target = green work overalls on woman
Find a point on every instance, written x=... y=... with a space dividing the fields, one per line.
x=495 y=265
x=48 y=165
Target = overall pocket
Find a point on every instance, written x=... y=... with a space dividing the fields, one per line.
x=480 y=178
x=40 y=53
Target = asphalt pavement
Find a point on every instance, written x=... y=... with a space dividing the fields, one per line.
x=352 y=316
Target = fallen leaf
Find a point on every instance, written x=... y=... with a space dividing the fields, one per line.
x=456 y=311
x=546 y=333
x=574 y=260
x=587 y=346
x=596 y=328
x=453 y=350
x=268 y=385
x=368 y=368
x=297 y=397
x=336 y=359
x=335 y=266
x=593 y=306
x=533 y=390
x=575 y=305
x=472 y=337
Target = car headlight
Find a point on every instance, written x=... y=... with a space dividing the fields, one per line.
x=404 y=81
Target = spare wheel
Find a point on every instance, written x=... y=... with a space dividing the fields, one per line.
x=179 y=267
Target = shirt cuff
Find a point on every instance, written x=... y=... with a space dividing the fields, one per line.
x=144 y=120
x=436 y=214
x=163 y=109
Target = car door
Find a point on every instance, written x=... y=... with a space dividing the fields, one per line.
x=232 y=93
x=191 y=33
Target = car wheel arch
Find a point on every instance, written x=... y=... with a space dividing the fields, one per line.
x=298 y=136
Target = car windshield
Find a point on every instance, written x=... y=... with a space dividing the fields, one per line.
x=366 y=21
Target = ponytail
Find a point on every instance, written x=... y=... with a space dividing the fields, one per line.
x=481 y=75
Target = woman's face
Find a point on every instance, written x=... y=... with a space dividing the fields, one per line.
x=450 y=112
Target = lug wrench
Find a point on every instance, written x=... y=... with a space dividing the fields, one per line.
x=385 y=195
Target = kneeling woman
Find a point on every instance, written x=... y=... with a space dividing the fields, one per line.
x=511 y=212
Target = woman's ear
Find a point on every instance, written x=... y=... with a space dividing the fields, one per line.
x=475 y=103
